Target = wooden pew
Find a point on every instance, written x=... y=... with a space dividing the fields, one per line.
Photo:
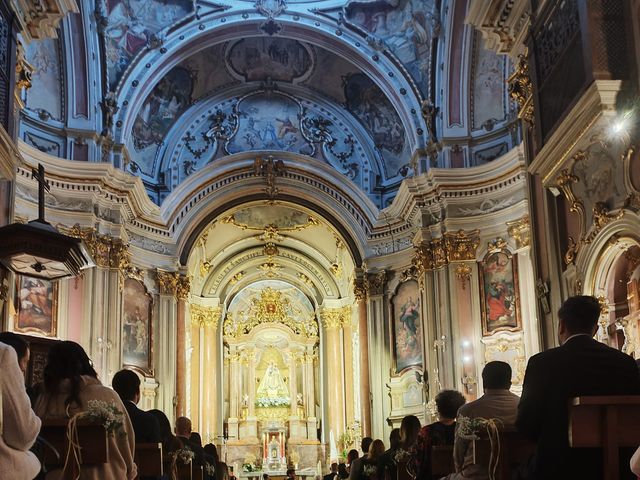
x=184 y=471
x=609 y=423
x=442 y=461
x=197 y=472
x=149 y=459
x=91 y=436
x=515 y=450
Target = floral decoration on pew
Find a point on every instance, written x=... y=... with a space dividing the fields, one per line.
x=478 y=428
x=107 y=414
x=185 y=455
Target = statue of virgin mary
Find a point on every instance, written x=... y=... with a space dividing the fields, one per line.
x=272 y=385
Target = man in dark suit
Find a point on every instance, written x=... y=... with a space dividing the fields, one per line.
x=332 y=474
x=580 y=366
x=127 y=385
x=183 y=432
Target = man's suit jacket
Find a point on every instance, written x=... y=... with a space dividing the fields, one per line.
x=580 y=367
x=145 y=425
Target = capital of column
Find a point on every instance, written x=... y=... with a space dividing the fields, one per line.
x=335 y=318
x=374 y=283
x=167 y=282
x=451 y=247
x=183 y=286
x=520 y=231
x=359 y=289
x=205 y=317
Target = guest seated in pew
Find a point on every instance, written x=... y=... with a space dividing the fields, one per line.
x=221 y=471
x=356 y=463
x=352 y=456
x=387 y=460
x=127 y=385
x=342 y=471
x=498 y=406
x=23 y=351
x=170 y=443
x=370 y=466
x=442 y=432
x=70 y=382
x=580 y=366
x=183 y=432
x=19 y=426
x=333 y=472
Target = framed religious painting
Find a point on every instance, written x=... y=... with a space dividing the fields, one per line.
x=137 y=346
x=406 y=327
x=500 y=300
x=36 y=303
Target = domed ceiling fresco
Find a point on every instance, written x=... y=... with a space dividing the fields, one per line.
x=166 y=88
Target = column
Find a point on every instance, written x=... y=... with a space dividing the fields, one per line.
x=234 y=378
x=194 y=355
x=182 y=292
x=210 y=379
x=363 y=338
x=332 y=319
x=348 y=370
x=309 y=394
x=379 y=348
x=167 y=323
x=293 y=384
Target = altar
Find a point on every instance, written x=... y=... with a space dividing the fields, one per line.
x=271 y=336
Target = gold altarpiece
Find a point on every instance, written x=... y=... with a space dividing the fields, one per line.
x=270 y=354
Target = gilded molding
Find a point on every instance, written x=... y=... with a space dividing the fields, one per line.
x=336 y=318
x=205 y=316
x=463 y=272
x=410 y=273
x=521 y=90
x=39 y=18
x=461 y=245
x=572 y=251
x=183 y=286
x=107 y=251
x=359 y=289
x=520 y=231
x=167 y=282
x=602 y=216
x=497 y=245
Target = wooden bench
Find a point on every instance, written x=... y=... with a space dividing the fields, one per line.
x=190 y=471
x=609 y=423
x=515 y=450
x=92 y=438
x=149 y=459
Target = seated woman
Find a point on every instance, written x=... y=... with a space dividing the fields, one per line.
x=442 y=432
x=19 y=426
x=70 y=382
x=370 y=466
x=170 y=443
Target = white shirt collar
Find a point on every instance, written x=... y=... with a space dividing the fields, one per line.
x=576 y=335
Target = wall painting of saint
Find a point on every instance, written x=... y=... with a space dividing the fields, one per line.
x=136 y=327
x=407 y=327
x=499 y=292
x=36 y=305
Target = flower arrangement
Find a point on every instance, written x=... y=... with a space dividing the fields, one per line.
x=369 y=471
x=402 y=456
x=249 y=464
x=268 y=402
x=184 y=454
x=107 y=414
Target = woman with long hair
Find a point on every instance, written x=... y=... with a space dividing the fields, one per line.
x=371 y=464
x=70 y=383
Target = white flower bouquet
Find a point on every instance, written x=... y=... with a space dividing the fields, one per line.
x=267 y=402
x=184 y=454
x=107 y=414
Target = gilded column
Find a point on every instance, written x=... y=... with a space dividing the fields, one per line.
x=332 y=320
x=360 y=293
x=167 y=321
x=182 y=292
x=234 y=377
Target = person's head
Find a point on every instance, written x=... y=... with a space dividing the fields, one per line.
x=342 y=470
x=334 y=467
x=126 y=383
x=352 y=455
x=265 y=476
x=67 y=361
x=496 y=375
x=195 y=438
x=183 y=427
x=409 y=429
x=211 y=450
x=165 y=425
x=376 y=450
x=365 y=444
x=394 y=439
x=291 y=473
x=578 y=314
x=20 y=346
x=222 y=470
x=448 y=402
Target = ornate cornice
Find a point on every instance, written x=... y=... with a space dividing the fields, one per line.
x=107 y=251
x=205 y=317
x=335 y=318
x=39 y=18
